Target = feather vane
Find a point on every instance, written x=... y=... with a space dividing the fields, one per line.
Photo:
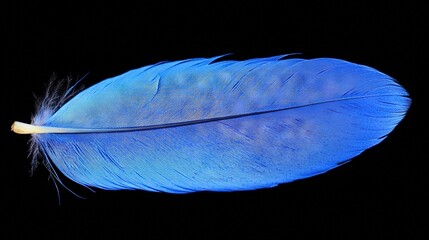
x=200 y=125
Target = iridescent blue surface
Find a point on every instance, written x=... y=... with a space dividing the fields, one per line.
x=231 y=125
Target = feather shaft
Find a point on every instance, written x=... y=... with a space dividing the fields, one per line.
x=25 y=128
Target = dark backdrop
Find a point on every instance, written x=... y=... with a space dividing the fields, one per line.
x=379 y=194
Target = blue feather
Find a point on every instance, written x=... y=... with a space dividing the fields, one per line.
x=200 y=125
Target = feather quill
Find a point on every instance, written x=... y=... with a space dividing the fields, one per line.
x=206 y=125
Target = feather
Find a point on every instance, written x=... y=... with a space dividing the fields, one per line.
x=206 y=125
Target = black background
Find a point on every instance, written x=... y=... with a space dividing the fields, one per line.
x=379 y=194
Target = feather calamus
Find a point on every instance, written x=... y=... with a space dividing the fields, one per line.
x=206 y=125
